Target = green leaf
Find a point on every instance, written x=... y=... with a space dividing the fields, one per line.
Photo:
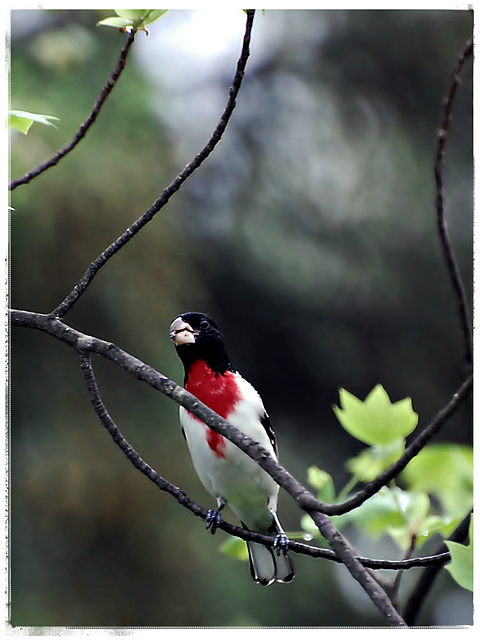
x=322 y=482
x=131 y=14
x=23 y=120
x=446 y=472
x=132 y=18
x=461 y=565
x=141 y=16
x=372 y=461
x=154 y=15
x=376 y=420
x=235 y=548
x=117 y=23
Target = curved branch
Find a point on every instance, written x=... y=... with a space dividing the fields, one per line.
x=172 y=188
x=305 y=498
x=83 y=343
x=197 y=510
x=427 y=577
x=448 y=253
x=126 y=447
x=88 y=122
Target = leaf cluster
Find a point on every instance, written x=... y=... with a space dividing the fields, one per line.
x=431 y=496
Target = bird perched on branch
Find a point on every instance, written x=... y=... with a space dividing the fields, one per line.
x=228 y=473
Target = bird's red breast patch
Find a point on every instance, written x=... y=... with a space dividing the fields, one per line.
x=219 y=391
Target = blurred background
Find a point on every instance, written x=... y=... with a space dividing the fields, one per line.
x=309 y=235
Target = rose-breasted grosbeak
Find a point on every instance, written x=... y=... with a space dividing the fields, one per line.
x=225 y=471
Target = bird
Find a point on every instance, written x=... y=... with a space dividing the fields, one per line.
x=226 y=472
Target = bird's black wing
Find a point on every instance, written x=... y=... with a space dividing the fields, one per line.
x=270 y=432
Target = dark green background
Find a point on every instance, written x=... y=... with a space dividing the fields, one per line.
x=309 y=236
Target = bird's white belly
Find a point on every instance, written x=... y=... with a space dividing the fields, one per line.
x=229 y=473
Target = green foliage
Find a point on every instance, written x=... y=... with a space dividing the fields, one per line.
x=406 y=515
x=132 y=19
x=461 y=565
x=23 y=120
x=444 y=472
x=376 y=420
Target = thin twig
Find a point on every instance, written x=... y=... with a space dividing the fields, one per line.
x=126 y=447
x=427 y=577
x=88 y=122
x=172 y=188
x=449 y=254
x=395 y=588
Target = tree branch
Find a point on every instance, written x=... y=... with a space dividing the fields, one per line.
x=465 y=388
x=421 y=589
x=172 y=188
x=124 y=445
x=85 y=343
x=348 y=556
x=88 y=122
x=305 y=499
x=447 y=248
x=197 y=510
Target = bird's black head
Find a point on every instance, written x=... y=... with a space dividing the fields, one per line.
x=197 y=337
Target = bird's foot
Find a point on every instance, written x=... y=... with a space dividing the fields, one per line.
x=213 y=520
x=280 y=544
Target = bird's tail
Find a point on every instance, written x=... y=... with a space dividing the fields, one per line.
x=266 y=565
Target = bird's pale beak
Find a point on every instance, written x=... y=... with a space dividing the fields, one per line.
x=181 y=332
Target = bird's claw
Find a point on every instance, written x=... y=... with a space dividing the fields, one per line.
x=213 y=520
x=280 y=544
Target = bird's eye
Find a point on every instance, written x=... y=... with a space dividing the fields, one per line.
x=204 y=324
